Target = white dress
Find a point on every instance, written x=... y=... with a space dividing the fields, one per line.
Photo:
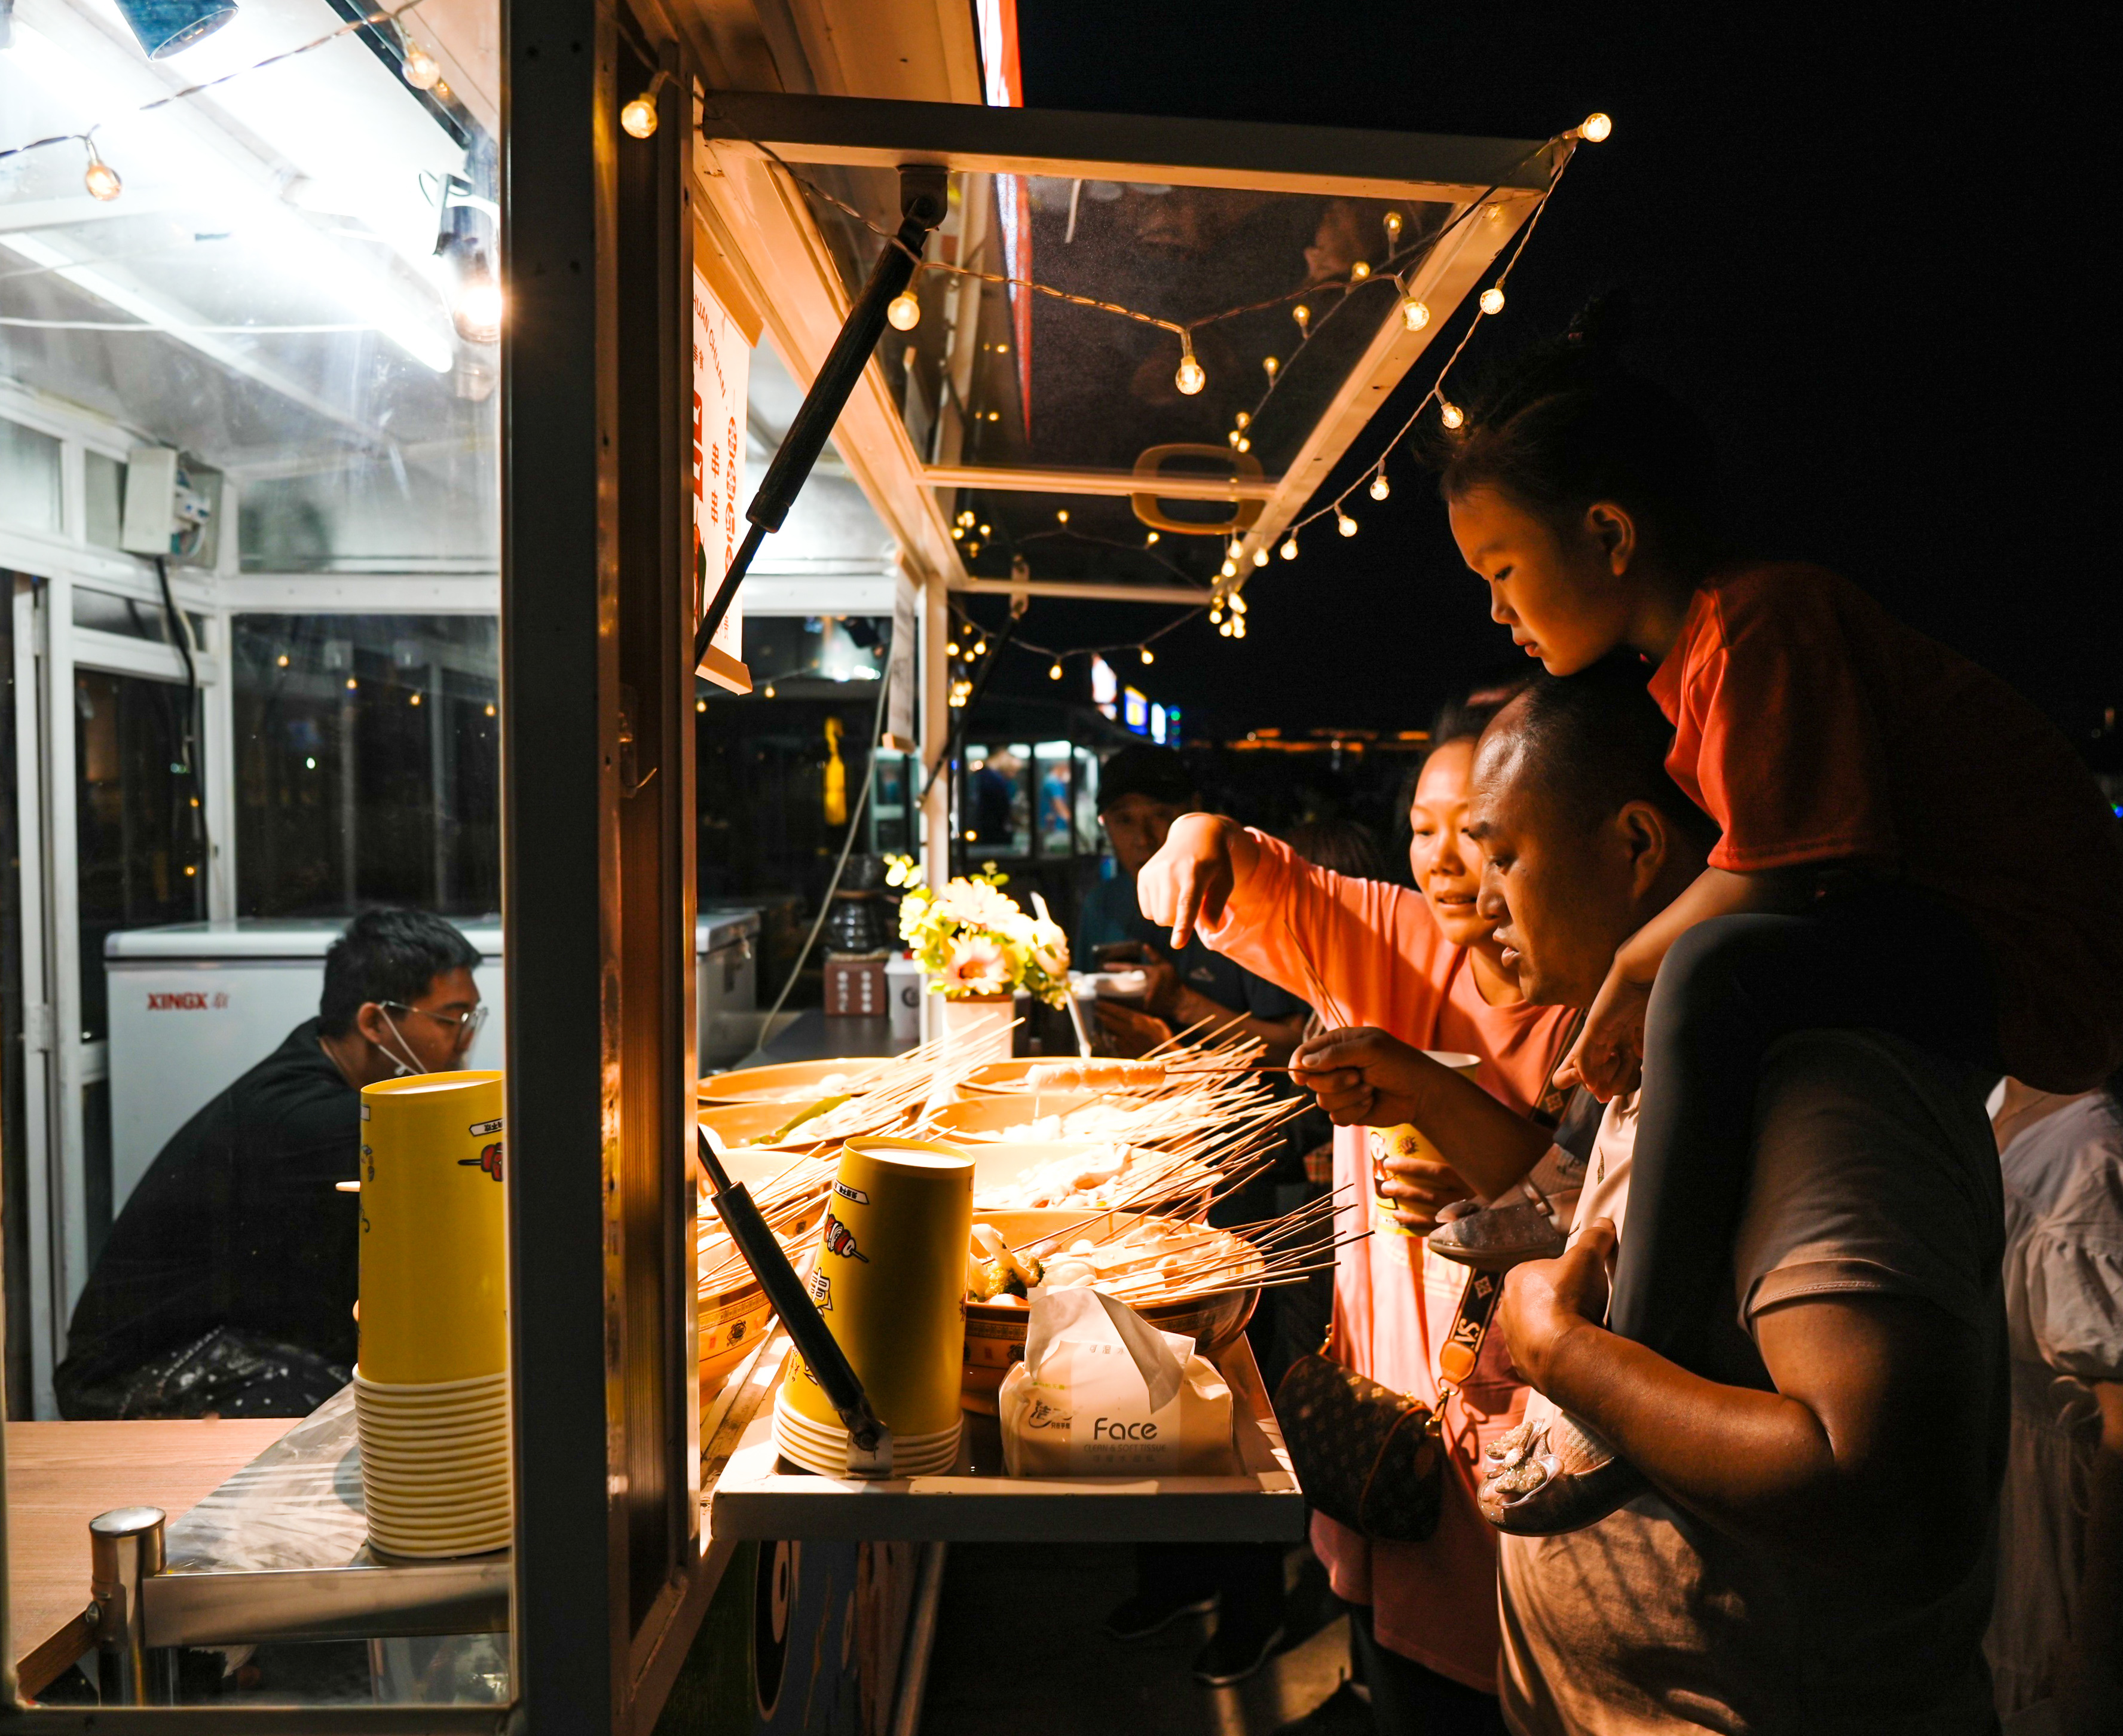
x=2064 y=1307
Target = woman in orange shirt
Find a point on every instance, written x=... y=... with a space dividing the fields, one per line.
x=1425 y=966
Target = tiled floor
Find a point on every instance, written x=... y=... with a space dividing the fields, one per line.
x=1019 y=1652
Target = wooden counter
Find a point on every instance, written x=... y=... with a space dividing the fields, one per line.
x=61 y=1474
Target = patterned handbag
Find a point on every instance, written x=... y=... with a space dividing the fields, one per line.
x=1367 y=1455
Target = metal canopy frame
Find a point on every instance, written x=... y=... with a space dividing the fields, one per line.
x=771 y=253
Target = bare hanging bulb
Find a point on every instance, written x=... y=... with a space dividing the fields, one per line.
x=1144 y=652
x=1594 y=127
x=1260 y=556
x=1233 y=549
x=1359 y=271
x=1243 y=418
x=1345 y=524
x=1380 y=487
x=1190 y=378
x=1244 y=444
x=637 y=119
x=422 y=73
x=1053 y=672
x=1492 y=299
x=1303 y=315
x=1268 y=366
x=1216 y=612
x=1229 y=570
x=1150 y=540
x=1415 y=312
x=1061 y=514
x=100 y=178
x=1289 y=548
x=903 y=311
x=1393 y=222
x=1449 y=413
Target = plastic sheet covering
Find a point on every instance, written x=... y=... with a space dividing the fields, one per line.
x=298 y=1504
x=225 y=1372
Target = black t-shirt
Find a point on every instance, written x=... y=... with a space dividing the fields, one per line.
x=236 y=1225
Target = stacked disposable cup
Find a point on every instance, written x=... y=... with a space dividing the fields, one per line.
x=431 y=1391
x=890 y=1283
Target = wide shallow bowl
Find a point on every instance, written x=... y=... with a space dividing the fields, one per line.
x=788 y=1082
x=1014 y=1079
x=993 y=1116
x=995 y=1330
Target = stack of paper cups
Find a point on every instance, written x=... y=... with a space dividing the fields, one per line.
x=890 y=1283
x=431 y=1390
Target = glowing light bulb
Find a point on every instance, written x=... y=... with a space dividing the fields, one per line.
x=951 y=649
x=1229 y=570
x=1492 y=299
x=1289 y=548
x=981 y=649
x=1268 y=366
x=1150 y=540
x=1495 y=212
x=421 y=72
x=101 y=178
x=1260 y=556
x=1359 y=271
x=1235 y=548
x=987 y=530
x=1244 y=444
x=1243 y=420
x=699 y=705
x=1345 y=524
x=1380 y=487
x=966 y=518
x=1449 y=413
x=1233 y=438
x=1303 y=315
x=1225 y=630
x=1217 y=614
x=637 y=119
x=1190 y=378
x=958 y=533
x=1239 y=601
x=1145 y=653
x=1415 y=312
x=903 y=311
x=1061 y=514
x=1594 y=127
x=1053 y=672
x=478 y=313
x=1393 y=229
x=1238 y=629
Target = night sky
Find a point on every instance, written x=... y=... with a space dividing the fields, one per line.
x=1864 y=247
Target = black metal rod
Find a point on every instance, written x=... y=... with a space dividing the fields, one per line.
x=806 y=1326
x=923 y=202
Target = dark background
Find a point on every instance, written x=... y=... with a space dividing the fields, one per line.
x=1866 y=246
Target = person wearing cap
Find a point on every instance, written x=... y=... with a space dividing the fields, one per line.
x=227 y=1284
x=1141 y=791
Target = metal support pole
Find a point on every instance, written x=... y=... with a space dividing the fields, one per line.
x=920 y=1640
x=124 y=1549
x=924 y=202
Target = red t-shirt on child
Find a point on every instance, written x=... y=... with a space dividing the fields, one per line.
x=1815 y=727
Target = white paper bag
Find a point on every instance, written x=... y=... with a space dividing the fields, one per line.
x=1102 y=1392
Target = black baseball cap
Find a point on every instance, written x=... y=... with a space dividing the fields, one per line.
x=1158 y=773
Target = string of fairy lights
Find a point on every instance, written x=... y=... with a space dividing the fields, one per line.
x=1225 y=604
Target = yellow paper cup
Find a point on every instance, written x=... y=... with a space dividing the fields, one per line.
x=433 y=1238
x=1408 y=1140
x=891 y=1281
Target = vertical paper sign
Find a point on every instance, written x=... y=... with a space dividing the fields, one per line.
x=722 y=363
x=900 y=708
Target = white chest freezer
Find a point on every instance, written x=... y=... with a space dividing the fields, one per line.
x=195 y=1005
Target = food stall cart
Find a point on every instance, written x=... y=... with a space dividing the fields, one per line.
x=590 y=179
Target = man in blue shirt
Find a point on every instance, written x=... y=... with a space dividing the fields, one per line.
x=1141 y=791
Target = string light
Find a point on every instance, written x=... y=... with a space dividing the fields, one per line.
x=1492 y=299
x=1190 y=378
x=1303 y=315
x=1230 y=569
x=987 y=530
x=1345 y=524
x=903 y=311
x=1393 y=230
x=1224 y=630
x=1359 y=271
x=951 y=649
x=1260 y=556
x=1268 y=366
x=637 y=119
x=1449 y=413
x=1235 y=548
x=1145 y=653
x=1380 y=487
x=1238 y=629
x=1594 y=128
x=422 y=72
x=1244 y=444
x=1053 y=672
x=981 y=649
x=1243 y=418
x=1289 y=550
x=1149 y=541
x=100 y=178
x=1415 y=312
x=1217 y=614
x=1061 y=514
x=958 y=533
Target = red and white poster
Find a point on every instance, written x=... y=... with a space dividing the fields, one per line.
x=722 y=364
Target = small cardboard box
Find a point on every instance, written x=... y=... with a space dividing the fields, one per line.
x=856 y=987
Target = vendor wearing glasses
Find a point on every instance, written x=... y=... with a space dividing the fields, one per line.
x=227 y=1284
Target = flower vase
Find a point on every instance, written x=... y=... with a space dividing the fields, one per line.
x=976 y=1028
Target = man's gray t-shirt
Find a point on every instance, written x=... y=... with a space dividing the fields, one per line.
x=1874 y=1173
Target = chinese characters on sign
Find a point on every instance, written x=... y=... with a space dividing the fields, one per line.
x=722 y=362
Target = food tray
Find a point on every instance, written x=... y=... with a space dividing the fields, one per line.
x=750 y=1495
